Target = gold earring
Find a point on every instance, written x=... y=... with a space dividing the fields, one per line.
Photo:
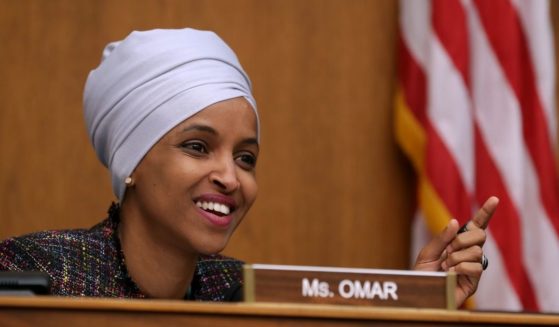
x=129 y=181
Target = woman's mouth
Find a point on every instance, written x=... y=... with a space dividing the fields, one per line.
x=216 y=208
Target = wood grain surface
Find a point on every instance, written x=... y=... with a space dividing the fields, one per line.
x=45 y=311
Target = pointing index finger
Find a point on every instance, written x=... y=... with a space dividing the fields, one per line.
x=483 y=215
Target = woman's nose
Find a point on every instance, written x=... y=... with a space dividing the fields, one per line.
x=224 y=175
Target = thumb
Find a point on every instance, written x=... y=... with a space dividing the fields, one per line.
x=435 y=248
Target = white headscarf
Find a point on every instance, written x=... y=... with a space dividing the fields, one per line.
x=150 y=82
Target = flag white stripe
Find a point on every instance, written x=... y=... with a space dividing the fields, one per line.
x=415 y=22
x=448 y=103
x=500 y=121
x=496 y=110
x=449 y=111
x=538 y=29
x=495 y=291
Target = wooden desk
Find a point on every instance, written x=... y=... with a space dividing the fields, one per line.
x=66 y=312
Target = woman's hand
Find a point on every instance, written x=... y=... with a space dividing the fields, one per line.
x=459 y=252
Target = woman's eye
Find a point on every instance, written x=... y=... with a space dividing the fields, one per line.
x=196 y=147
x=246 y=160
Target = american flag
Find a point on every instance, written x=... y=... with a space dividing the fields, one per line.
x=475 y=113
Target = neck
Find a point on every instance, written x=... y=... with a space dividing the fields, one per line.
x=158 y=267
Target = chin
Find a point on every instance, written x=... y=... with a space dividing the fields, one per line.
x=212 y=248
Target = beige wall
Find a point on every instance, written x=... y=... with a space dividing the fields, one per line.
x=334 y=188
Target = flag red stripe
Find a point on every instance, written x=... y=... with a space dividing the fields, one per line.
x=513 y=55
x=505 y=224
x=440 y=165
x=450 y=13
x=506 y=230
x=413 y=82
x=442 y=171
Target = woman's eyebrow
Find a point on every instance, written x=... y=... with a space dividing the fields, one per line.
x=250 y=141
x=202 y=128
x=208 y=129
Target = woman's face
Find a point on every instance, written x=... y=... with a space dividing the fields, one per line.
x=195 y=185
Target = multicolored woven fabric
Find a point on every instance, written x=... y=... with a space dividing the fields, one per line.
x=89 y=262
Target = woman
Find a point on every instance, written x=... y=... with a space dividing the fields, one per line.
x=171 y=114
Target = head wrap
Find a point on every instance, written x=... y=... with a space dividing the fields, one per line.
x=150 y=82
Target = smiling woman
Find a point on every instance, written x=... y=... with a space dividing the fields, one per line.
x=189 y=194
x=171 y=114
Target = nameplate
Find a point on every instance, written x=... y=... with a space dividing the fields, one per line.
x=329 y=285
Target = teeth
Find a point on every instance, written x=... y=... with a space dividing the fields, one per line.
x=225 y=209
x=214 y=206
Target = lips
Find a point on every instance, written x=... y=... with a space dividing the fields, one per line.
x=216 y=208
